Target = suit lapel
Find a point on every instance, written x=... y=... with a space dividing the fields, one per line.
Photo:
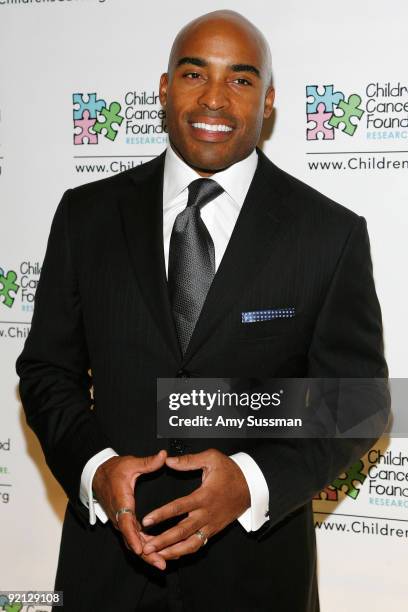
x=142 y=215
x=259 y=229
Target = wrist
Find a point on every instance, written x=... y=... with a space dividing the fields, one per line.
x=245 y=494
x=101 y=474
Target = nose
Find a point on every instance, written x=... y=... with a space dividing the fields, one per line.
x=213 y=96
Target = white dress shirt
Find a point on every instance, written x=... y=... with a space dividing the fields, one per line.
x=219 y=216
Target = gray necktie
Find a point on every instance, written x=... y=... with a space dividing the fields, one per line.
x=191 y=259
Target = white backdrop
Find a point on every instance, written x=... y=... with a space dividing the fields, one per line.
x=116 y=49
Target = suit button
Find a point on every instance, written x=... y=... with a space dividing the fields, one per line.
x=183 y=374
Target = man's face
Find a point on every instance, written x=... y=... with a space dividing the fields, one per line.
x=216 y=96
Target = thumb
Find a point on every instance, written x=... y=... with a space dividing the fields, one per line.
x=187 y=462
x=151 y=463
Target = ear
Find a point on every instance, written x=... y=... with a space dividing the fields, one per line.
x=164 y=81
x=269 y=100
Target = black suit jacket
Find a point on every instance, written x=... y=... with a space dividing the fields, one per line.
x=103 y=318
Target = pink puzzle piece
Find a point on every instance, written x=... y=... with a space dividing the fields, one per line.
x=320 y=118
x=85 y=136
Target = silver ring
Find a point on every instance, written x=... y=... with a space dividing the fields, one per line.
x=123 y=511
x=202 y=536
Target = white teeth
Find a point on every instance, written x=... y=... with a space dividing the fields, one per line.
x=212 y=128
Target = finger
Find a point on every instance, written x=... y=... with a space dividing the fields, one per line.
x=130 y=530
x=151 y=463
x=154 y=559
x=146 y=537
x=123 y=497
x=192 y=461
x=183 y=530
x=187 y=547
x=182 y=505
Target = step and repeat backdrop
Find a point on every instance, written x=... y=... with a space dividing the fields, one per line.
x=79 y=102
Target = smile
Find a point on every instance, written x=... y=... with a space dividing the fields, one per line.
x=212 y=128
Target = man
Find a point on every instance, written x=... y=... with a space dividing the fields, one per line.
x=147 y=274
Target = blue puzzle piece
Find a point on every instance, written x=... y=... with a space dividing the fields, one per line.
x=92 y=105
x=329 y=98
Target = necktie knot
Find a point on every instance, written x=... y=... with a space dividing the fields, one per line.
x=201 y=191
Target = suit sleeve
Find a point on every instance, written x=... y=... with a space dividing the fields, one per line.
x=55 y=383
x=347 y=342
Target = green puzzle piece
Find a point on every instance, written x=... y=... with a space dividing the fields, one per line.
x=111 y=116
x=15 y=607
x=346 y=483
x=7 y=285
x=350 y=109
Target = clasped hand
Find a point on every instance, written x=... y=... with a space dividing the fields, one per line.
x=222 y=497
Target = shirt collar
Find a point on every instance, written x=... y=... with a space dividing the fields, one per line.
x=235 y=180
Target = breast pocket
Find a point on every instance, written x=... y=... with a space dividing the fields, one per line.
x=267 y=322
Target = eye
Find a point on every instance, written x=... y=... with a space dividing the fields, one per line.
x=191 y=75
x=242 y=81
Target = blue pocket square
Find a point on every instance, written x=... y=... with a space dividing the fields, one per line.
x=254 y=316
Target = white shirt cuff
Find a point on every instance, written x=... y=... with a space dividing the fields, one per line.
x=257 y=514
x=85 y=489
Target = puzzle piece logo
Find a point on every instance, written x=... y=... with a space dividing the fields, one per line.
x=350 y=110
x=329 y=493
x=9 y=607
x=14 y=607
x=93 y=117
x=8 y=287
x=346 y=483
x=328 y=110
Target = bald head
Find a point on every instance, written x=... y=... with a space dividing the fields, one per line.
x=217 y=91
x=224 y=23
